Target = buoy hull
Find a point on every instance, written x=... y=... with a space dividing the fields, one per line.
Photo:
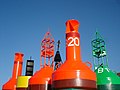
x=73 y=89
x=81 y=84
x=109 y=87
x=73 y=73
x=22 y=82
x=41 y=80
x=40 y=87
x=21 y=88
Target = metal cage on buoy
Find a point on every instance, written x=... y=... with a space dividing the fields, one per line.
x=41 y=80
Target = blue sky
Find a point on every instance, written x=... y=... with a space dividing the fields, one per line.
x=23 y=24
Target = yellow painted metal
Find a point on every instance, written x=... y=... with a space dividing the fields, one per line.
x=22 y=81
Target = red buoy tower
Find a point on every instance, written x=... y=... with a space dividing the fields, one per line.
x=41 y=80
x=47 y=49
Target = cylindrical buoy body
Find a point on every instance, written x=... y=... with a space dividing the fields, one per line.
x=22 y=82
x=107 y=79
x=17 y=69
x=41 y=80
x=73 y=74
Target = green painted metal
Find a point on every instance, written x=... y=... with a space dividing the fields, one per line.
x=106 y=78
x=99 y=51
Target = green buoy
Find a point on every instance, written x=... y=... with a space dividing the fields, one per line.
x=106 y=78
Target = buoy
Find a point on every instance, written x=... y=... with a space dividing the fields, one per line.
x=41 y=80
x=73 y=74
x=106 y=78
x=23 y=81
x=17 y=71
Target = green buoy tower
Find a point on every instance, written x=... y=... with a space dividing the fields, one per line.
x=106 y=78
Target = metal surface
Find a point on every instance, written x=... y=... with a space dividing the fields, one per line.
x=41 y=80
x=29 y=67
x=106 y=78
x=17 y=70
x=57 y=58
x=21 y=88
x=74 y=83
x=47 y=49
x=99 y=51
x=109 y=87
x=73 y=68
x=40 y=87
x=22 y=82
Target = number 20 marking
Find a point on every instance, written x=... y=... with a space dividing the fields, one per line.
x=74 y=41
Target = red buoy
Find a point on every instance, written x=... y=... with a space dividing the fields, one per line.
x=73 y=73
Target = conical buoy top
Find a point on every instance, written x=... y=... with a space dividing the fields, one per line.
x=72 y=25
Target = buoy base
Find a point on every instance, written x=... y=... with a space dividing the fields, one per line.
x=40 y=87
x=109 y=87
x=81 y=84
x=21 y=88
x=74 y=89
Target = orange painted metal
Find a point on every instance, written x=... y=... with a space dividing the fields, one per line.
x=17 y=71
x=42 y=76
x=73 y=68
x=41 y=80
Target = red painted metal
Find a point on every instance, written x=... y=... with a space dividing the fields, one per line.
x=41 y=80
x=17 y=70
x=73 y=73
x=47 y=49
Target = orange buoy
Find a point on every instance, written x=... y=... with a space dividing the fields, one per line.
x=41 y=80
x=73 y=73
x=17 y=71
